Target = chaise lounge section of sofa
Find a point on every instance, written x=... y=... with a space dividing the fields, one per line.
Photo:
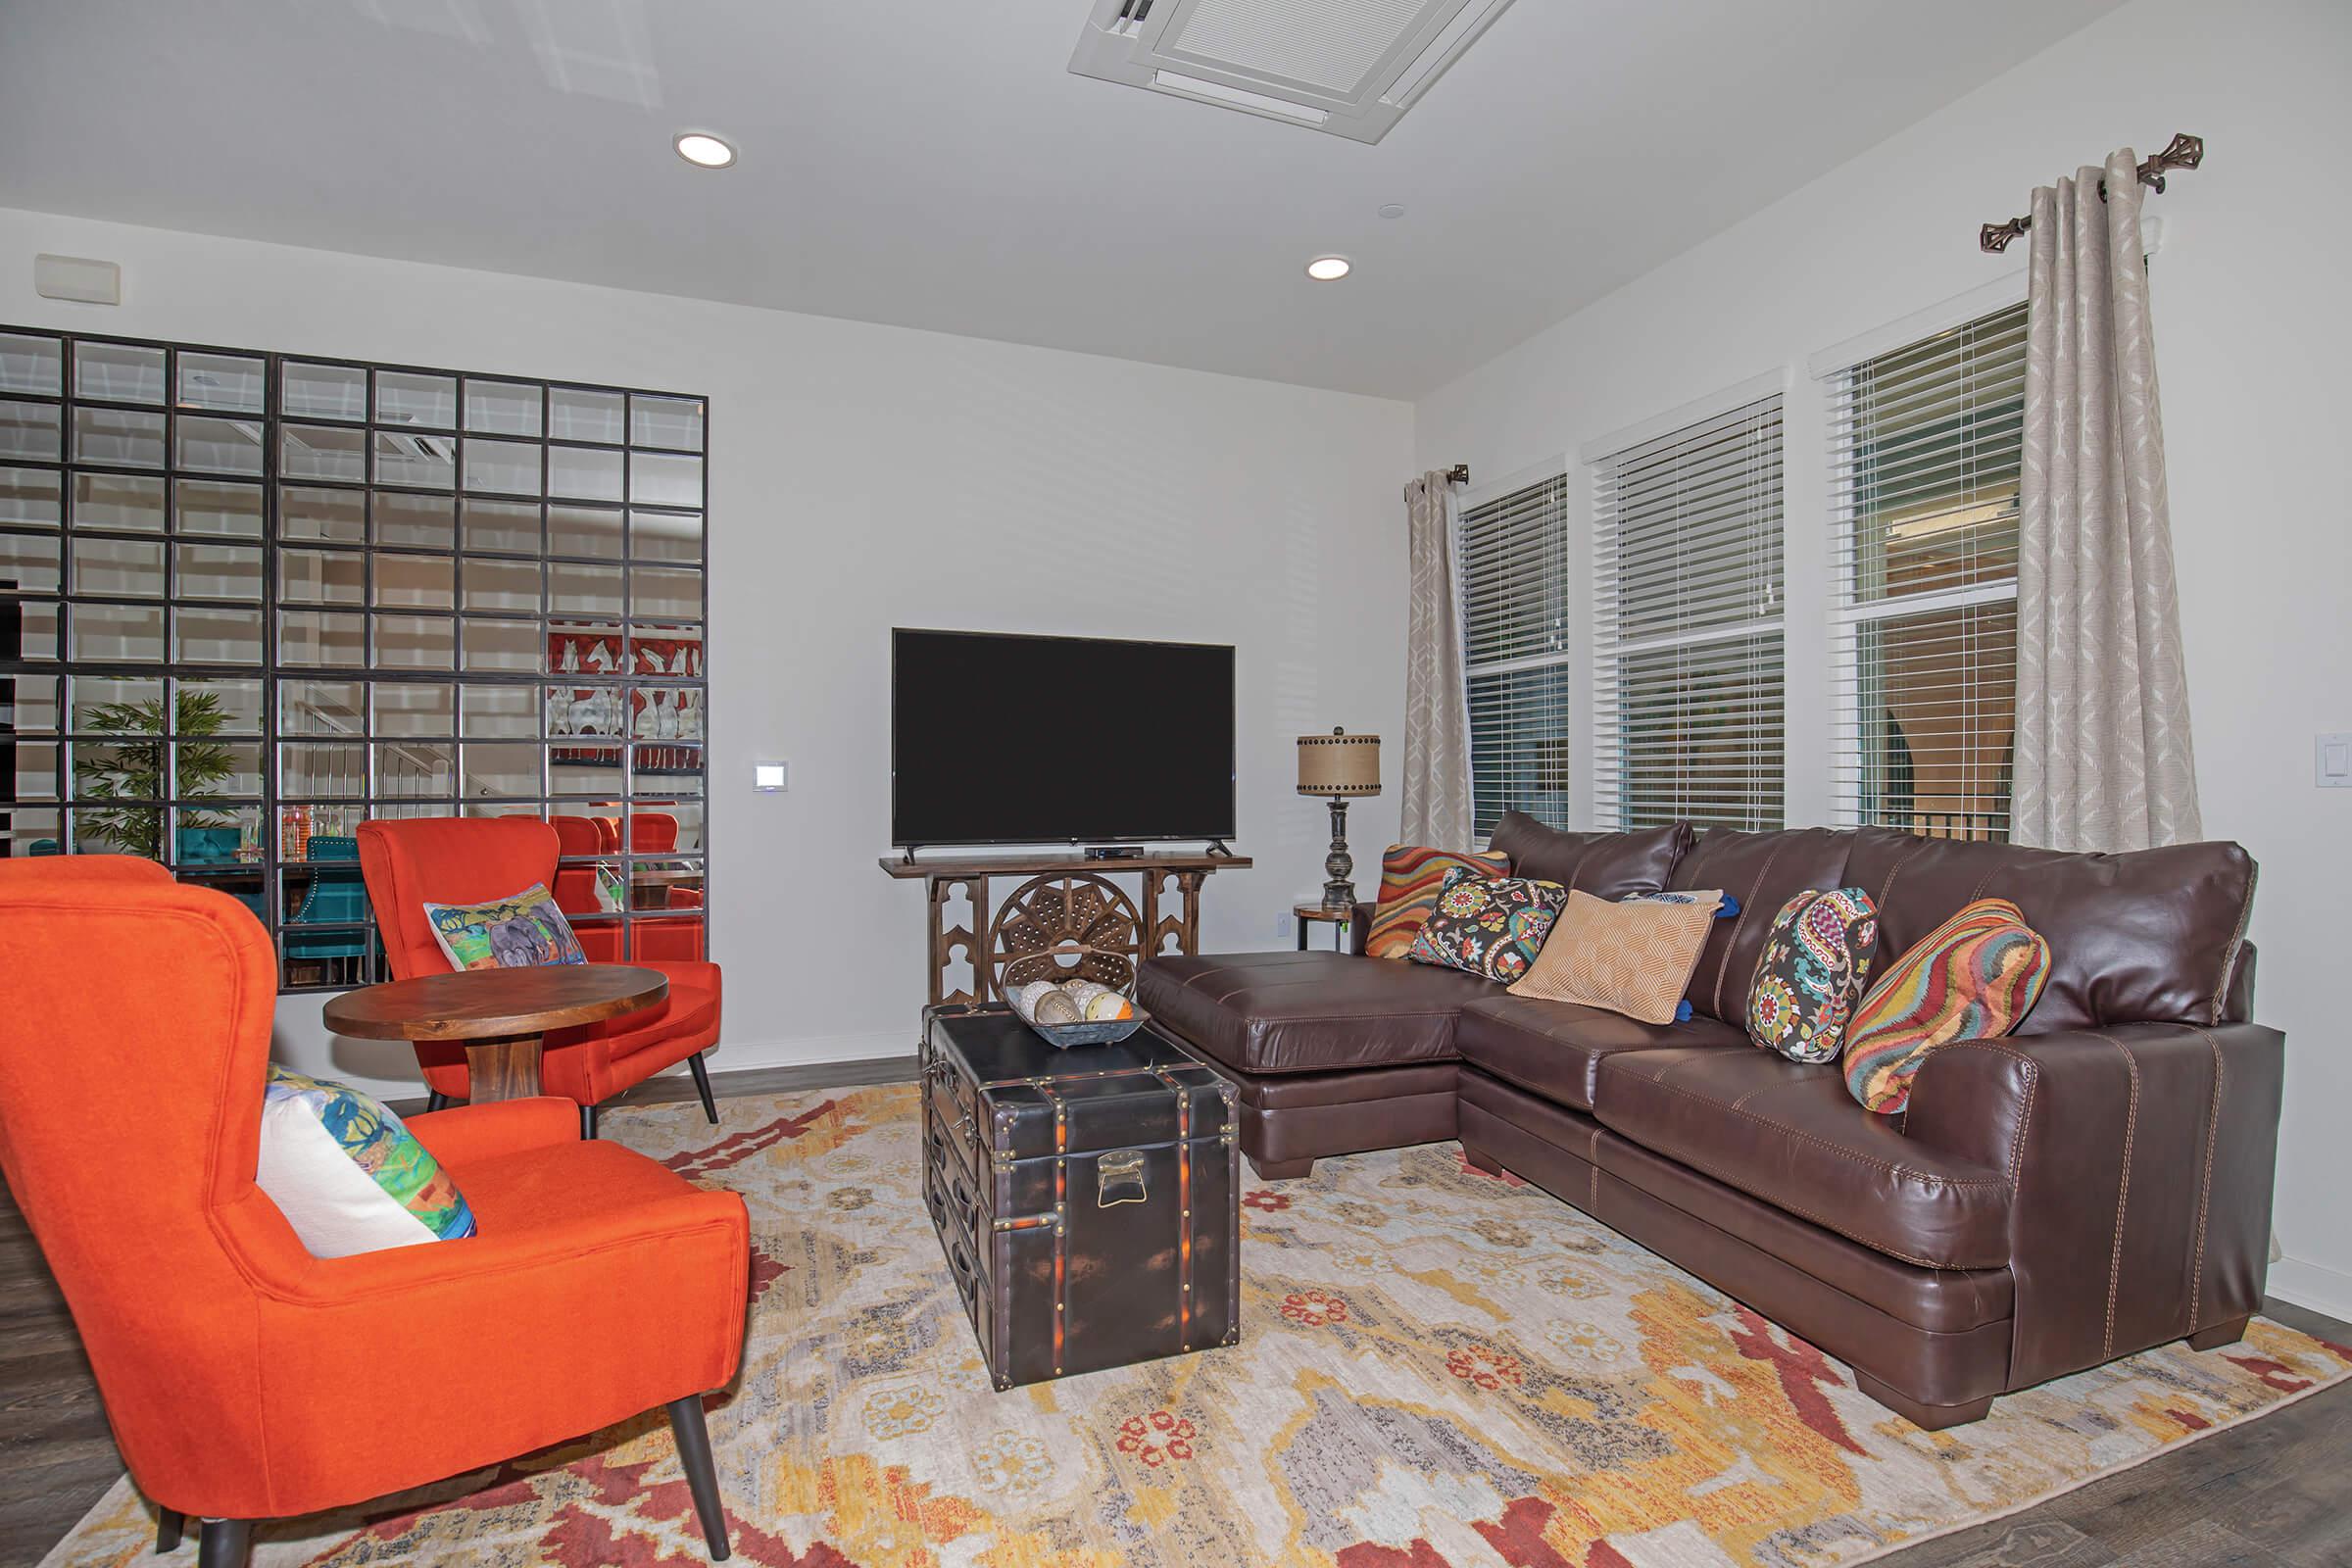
x=1336 y=1052
x=2093 y=1185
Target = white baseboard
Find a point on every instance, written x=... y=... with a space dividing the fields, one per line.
x=740 y=1055
x=387 y=1069
x=2312 y=1285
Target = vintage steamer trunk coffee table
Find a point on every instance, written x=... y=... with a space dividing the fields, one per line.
x=1088 y=1199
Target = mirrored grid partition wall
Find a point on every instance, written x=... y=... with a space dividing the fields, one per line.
x=248 y=601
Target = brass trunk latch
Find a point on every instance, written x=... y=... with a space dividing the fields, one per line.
x=1119 y=1178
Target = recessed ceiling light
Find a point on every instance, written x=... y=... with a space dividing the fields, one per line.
x=703 y=150
x=1392 y=210
x=1327 y=269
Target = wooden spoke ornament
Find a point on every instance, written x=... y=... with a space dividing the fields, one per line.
x=1069 y=926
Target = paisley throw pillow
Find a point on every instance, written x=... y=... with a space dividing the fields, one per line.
x=1810 y=975
x=1492 y=926
x=1974 y=977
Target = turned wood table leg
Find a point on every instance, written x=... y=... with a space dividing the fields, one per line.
x=505 y=1069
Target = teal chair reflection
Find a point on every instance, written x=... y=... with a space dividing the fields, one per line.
x=204 y=849
x=337 y=897
x=207 y=846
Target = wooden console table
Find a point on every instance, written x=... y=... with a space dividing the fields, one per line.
x=1068 y=919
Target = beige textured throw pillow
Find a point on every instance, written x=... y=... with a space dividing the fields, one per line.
x=1634 y=957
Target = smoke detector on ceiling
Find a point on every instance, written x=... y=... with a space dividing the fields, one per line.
x=1349 y=67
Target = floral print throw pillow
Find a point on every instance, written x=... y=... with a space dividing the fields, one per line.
x=1810 y=975
x=1489 y=925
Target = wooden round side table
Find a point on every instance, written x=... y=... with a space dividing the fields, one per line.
x=1315 y=914
x=500 y=1014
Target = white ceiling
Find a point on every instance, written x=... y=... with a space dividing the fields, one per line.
x=932 y=163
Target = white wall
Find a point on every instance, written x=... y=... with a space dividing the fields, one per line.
x=863 y=477
x=2253 y=332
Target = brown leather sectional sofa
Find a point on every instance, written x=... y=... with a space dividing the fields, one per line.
x=2093 y=1185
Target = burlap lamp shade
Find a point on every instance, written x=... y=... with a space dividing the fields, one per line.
x=1339 y=765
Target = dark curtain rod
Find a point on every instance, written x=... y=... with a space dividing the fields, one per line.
x=2185 y=151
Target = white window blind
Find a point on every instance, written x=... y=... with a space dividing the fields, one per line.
x=1924 y=448
x=1687 y=577
x=1513 y=554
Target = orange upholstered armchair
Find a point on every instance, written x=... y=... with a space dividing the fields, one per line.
x=134 y=1051
x=449 y=859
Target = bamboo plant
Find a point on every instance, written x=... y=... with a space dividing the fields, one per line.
x=131 y=769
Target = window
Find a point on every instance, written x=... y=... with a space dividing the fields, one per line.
x=249 y=601
x=1687 y=625
x=1925 y=449
x=1514 y=567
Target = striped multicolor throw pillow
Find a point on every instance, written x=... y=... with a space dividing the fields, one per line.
x=1974 y=977
x=1410 y=876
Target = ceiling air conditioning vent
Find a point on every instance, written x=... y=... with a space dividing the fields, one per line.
x=1350 y=67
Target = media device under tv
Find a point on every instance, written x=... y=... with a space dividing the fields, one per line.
x=998 y=738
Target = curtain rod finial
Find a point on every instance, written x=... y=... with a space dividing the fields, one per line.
x=1460 y=473
x=1995 y=237
x=2183 y=151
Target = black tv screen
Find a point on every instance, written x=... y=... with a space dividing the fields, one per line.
x=1001 y=739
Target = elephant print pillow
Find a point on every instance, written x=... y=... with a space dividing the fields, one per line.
x=519 y=931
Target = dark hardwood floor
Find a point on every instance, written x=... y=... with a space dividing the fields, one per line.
x=2275 y=1492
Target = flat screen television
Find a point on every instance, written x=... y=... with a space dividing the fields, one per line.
x=1010 y=739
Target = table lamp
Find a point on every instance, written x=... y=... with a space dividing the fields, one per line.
x=1339 y=766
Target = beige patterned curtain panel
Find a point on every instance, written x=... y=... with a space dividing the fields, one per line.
x=2103 y=759
x=1437 y=703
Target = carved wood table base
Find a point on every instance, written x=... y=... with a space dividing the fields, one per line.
x=505 y=1069
x=1063 y=924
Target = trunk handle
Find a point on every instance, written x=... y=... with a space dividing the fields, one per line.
x=1119 y=1178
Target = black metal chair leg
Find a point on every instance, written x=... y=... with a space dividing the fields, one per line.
x=701 y=1086
x=225 y=1543
x=587 y=1122
x=436 y=1100
x=702 y=1476
x=170 y=1525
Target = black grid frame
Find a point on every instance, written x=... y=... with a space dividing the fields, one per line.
x=323 y=577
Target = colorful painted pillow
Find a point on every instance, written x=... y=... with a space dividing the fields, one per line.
x=519 y=931
x=1974 y=977
x=1633 y=956
x=348 y=1174
x=1492 y=926
x=1810 y=975
x=1410 y=877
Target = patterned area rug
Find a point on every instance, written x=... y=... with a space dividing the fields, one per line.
x=1438 y=1368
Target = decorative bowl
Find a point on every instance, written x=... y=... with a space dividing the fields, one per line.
x=1091 y=1032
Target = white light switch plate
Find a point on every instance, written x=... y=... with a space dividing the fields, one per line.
x=2334 y=762
x=771 y=778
